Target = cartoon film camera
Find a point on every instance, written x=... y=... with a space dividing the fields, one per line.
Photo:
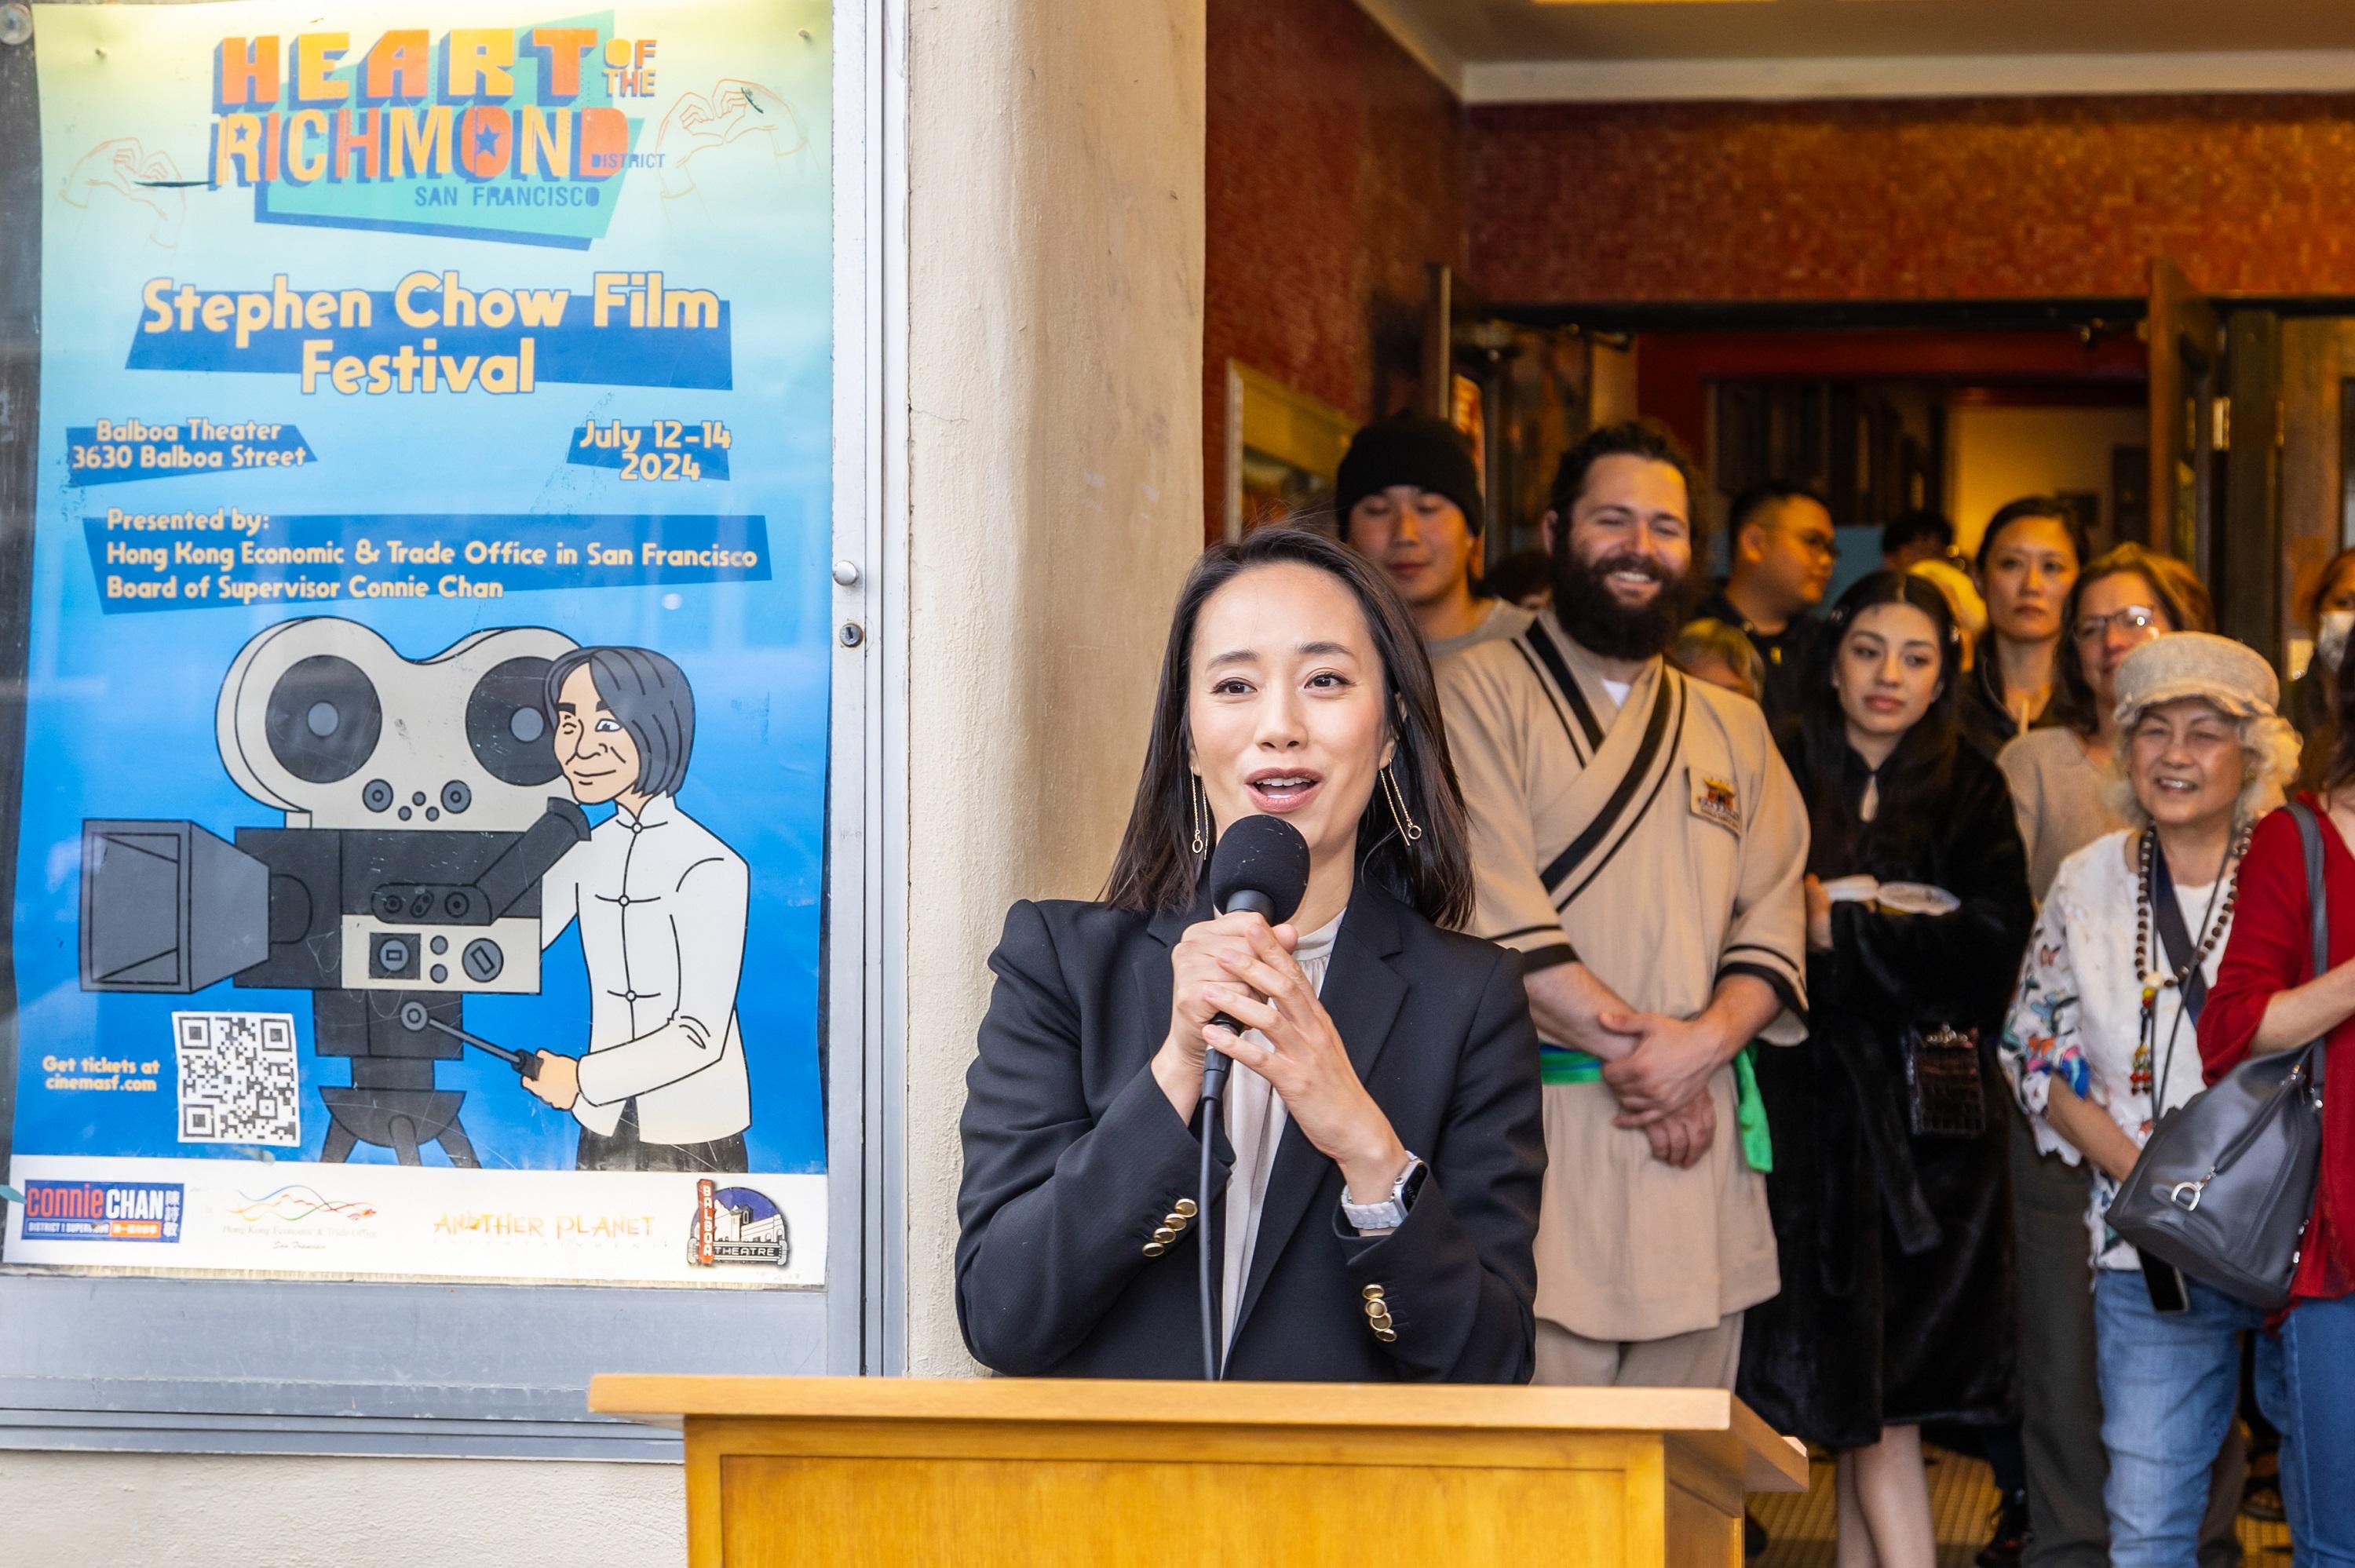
x=419 y=824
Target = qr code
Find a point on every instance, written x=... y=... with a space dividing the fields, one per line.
x=237 y=1077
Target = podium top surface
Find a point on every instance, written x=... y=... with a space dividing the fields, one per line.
x=670 y=1400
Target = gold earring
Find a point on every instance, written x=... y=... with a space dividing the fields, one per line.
x=1201 y=817
x=1397 y=798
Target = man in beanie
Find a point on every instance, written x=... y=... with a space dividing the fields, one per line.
x=1408 y=496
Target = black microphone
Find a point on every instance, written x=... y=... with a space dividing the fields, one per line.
x=1262 y=865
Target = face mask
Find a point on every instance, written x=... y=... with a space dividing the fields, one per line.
x=2331 y=638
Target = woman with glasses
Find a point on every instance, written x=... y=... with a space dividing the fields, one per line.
x=2122 y=599
x=2028 y=561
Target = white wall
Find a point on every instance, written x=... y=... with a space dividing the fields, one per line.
x=1055 y=366
x=203 y=1510
x=1996 y=455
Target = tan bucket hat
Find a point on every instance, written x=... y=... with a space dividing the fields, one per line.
x=2233 y=675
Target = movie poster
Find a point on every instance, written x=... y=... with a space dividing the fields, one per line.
x=419 y=870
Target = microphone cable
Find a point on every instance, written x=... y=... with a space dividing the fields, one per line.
x=1214 y=1088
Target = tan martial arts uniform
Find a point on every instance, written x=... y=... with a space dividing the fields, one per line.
x=1662 y=843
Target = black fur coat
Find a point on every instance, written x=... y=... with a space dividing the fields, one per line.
x=1898 y=1290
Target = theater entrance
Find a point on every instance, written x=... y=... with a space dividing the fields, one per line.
x=2214 y=427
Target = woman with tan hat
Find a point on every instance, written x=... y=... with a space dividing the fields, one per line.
x=2102 y=1041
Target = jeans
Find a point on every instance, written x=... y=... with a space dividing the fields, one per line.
x=2170 y=1383
x=2305 y=1383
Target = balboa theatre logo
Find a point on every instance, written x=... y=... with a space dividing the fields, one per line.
x=735 y=1225
x=485 y=132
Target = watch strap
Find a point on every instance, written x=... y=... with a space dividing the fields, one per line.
x=1390 y=1211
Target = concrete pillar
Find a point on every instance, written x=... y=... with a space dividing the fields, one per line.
x=1054 y=371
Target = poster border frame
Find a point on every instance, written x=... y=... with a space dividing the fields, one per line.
x=420 y=1369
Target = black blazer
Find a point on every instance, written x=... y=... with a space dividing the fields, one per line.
x=1073 y=1157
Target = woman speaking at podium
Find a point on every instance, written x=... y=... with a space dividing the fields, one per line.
x=1374 y=1181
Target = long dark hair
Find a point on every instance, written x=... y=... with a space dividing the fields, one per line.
x=2177 y=587
x=1156 y=869
x=1924 y=755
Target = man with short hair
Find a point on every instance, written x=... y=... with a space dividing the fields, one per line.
x=1782 y=550
x=1409 y=495
x=1917 y=537
x=1637 y=836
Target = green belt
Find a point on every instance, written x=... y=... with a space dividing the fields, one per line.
x=1559 y=1065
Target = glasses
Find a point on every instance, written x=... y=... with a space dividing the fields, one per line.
x=1822 y=545
x=2135 y=619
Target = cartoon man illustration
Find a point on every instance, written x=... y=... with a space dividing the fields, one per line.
x=661 y=905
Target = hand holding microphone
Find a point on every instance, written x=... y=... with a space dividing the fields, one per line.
x=1257 y=875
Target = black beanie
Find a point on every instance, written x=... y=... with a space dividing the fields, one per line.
x=1408 y=449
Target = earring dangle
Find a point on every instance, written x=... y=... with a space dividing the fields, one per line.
x=1201 y=817
x=1397 y=798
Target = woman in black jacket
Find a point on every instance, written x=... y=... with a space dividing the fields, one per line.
x=1374 y=1193
x=1897 y=1306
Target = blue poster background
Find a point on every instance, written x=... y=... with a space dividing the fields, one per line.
x=120 y=714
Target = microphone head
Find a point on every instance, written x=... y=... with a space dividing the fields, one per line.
x=1262 y=863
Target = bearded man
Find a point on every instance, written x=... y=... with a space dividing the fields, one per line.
x=1637 y=836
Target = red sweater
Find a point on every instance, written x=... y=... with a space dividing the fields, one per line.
x=2271 y=950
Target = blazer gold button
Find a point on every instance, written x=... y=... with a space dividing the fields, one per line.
x=1385 y=1335
x=1377 y=1307
x=1164 y=1235
x=1154 y=1249
x=1174 y=1220
x=1186 y=1206
x=1372 y=1293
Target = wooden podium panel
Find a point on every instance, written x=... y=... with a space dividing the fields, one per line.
x=1003 y=1471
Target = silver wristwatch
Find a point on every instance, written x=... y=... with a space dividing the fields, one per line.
x=1391 y=1212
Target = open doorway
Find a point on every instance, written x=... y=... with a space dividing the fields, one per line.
x=2217 y=428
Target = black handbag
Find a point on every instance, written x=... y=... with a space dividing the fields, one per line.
x=2225 y=1183
x=1946 y=1097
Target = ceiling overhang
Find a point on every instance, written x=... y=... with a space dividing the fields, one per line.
x=1927 y=75
x=1914 y=76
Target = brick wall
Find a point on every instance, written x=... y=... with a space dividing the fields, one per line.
x=1334 y=170
x=1954 y=199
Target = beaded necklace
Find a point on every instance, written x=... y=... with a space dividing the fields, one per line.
x=2155 y=980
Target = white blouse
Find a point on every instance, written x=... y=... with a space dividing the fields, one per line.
x=1255 y=1122
x=2078 y=1014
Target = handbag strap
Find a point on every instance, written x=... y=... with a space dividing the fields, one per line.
x=2309 y=831
x=2167 y=912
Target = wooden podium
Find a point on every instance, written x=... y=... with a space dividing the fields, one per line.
x=1003 y=1471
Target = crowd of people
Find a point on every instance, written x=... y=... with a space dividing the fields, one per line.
x=1993 y=759
x=1859 y=950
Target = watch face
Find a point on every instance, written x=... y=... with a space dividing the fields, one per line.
x=1413 y=1183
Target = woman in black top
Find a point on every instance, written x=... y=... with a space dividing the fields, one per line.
x=2027 y=558
x=1374 y=1200
x=1897 y=1302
